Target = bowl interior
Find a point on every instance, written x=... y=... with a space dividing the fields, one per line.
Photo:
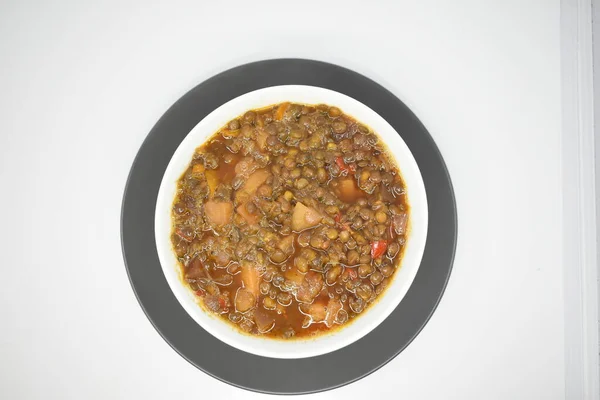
x=386 y=302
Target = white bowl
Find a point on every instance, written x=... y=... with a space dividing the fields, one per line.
x=377 y=312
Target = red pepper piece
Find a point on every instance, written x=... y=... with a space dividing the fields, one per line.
x=343 y=167
x=340 y=163
x=378 y=247
x=338 y=221
x=222 y=303
x=352 y=273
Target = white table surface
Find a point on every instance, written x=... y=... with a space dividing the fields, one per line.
x=81 y=84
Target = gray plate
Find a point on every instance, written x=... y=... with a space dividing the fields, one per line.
x=242 y=369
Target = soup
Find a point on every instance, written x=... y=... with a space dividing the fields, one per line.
x=290 y=221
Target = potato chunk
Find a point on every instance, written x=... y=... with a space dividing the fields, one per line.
x=310 y=287
x=244 y=300
x=256 y=179
x=305 y=217
x=218 y=213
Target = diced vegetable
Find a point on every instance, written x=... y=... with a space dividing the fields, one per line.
x=344 y=226
x=245 y=166
x=250 y=277
x=281 y=111
x=244 y=300
x=317 y=311
x=184 y=233
x=212 y=303
x=399 y=223
x=294 y=275
x=310 y=287
x=264 y=320
x=343 y=167
x=251 y=219
x=287 y=244
x=198 y=170
x=223 y=303
x=223 y=280
x=261 y=139
x=378 y=248
x=212 y=180
x=305 y=217
x=222 y=258
x=348 y=191
x=333 y=307
x=218 y=213
x=212 y=288
x=352 y=273
x=252 y=183
x=195 y=270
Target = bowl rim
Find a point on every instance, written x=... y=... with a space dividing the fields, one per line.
x=385 y=303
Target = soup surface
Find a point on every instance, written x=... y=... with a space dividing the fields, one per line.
x=290 y=221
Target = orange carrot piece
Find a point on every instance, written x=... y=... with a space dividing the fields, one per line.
x=197 y=169
x=212 y=180
x=281 y=110
x=250 y=277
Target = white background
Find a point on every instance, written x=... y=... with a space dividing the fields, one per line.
x=81 y=84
